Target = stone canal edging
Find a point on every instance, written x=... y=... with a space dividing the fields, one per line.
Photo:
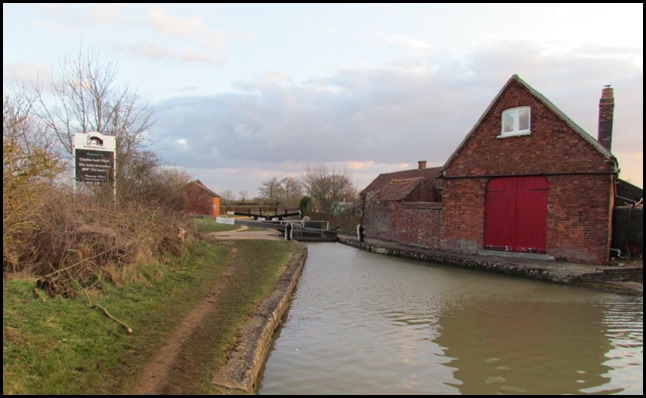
x=567 y=273
x=247 y=359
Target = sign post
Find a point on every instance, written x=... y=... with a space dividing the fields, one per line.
x=95 y=159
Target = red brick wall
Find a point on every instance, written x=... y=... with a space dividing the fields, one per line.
x=579 y=205
x=464 y=215
x=419 y=223
x=551 y=147
x=197 y=200
x=376 y=220
x=415 y=223
x=606 y=116
x=578 y=217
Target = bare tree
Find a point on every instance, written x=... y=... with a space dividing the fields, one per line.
x=292 y=191
x=227 y=196
x=244 y=195
x=86 y=99
x=27 y=150
x=271 y=190
x=29 y=166
x=175 y=177
x=327 y=187
x=156 y=185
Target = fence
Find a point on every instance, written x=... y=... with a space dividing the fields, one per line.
x=245 y=208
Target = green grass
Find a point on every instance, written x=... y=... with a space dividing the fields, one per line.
x=62 y=346
x=206 y=225
x=259 y=264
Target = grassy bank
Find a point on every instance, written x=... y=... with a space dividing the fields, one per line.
x=65 y=346
x=208 y=225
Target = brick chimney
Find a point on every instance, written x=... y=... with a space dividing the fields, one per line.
x=421 y=164
x=606 y=111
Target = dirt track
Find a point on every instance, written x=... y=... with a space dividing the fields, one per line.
x=154 y=379
x=243 y=367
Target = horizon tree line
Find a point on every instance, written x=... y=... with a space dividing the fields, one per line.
x=319 y=188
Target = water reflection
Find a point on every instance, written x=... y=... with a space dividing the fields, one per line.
x=526 y=347
x=363 y=323
x=624 y=320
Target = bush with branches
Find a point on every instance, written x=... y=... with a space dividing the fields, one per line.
x=29 y=164
x=68 y=238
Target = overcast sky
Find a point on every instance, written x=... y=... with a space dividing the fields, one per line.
x=245 y=92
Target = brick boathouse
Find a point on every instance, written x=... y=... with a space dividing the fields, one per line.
x=525 y=179
x=200 y=200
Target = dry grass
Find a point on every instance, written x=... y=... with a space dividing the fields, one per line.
x=79 y=240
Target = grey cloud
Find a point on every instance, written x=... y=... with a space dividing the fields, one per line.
x=392 y=115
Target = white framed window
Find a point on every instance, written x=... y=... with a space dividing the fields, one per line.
x=515 y=121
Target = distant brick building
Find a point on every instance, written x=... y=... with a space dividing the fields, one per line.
x=525 y=179
x=198 y=199
x=404 y=206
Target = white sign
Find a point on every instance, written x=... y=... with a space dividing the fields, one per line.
x=95 y=141
x=94 y=157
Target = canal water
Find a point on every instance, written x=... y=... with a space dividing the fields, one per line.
x=365 y=323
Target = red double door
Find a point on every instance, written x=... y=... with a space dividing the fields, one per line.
x=516 y=214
